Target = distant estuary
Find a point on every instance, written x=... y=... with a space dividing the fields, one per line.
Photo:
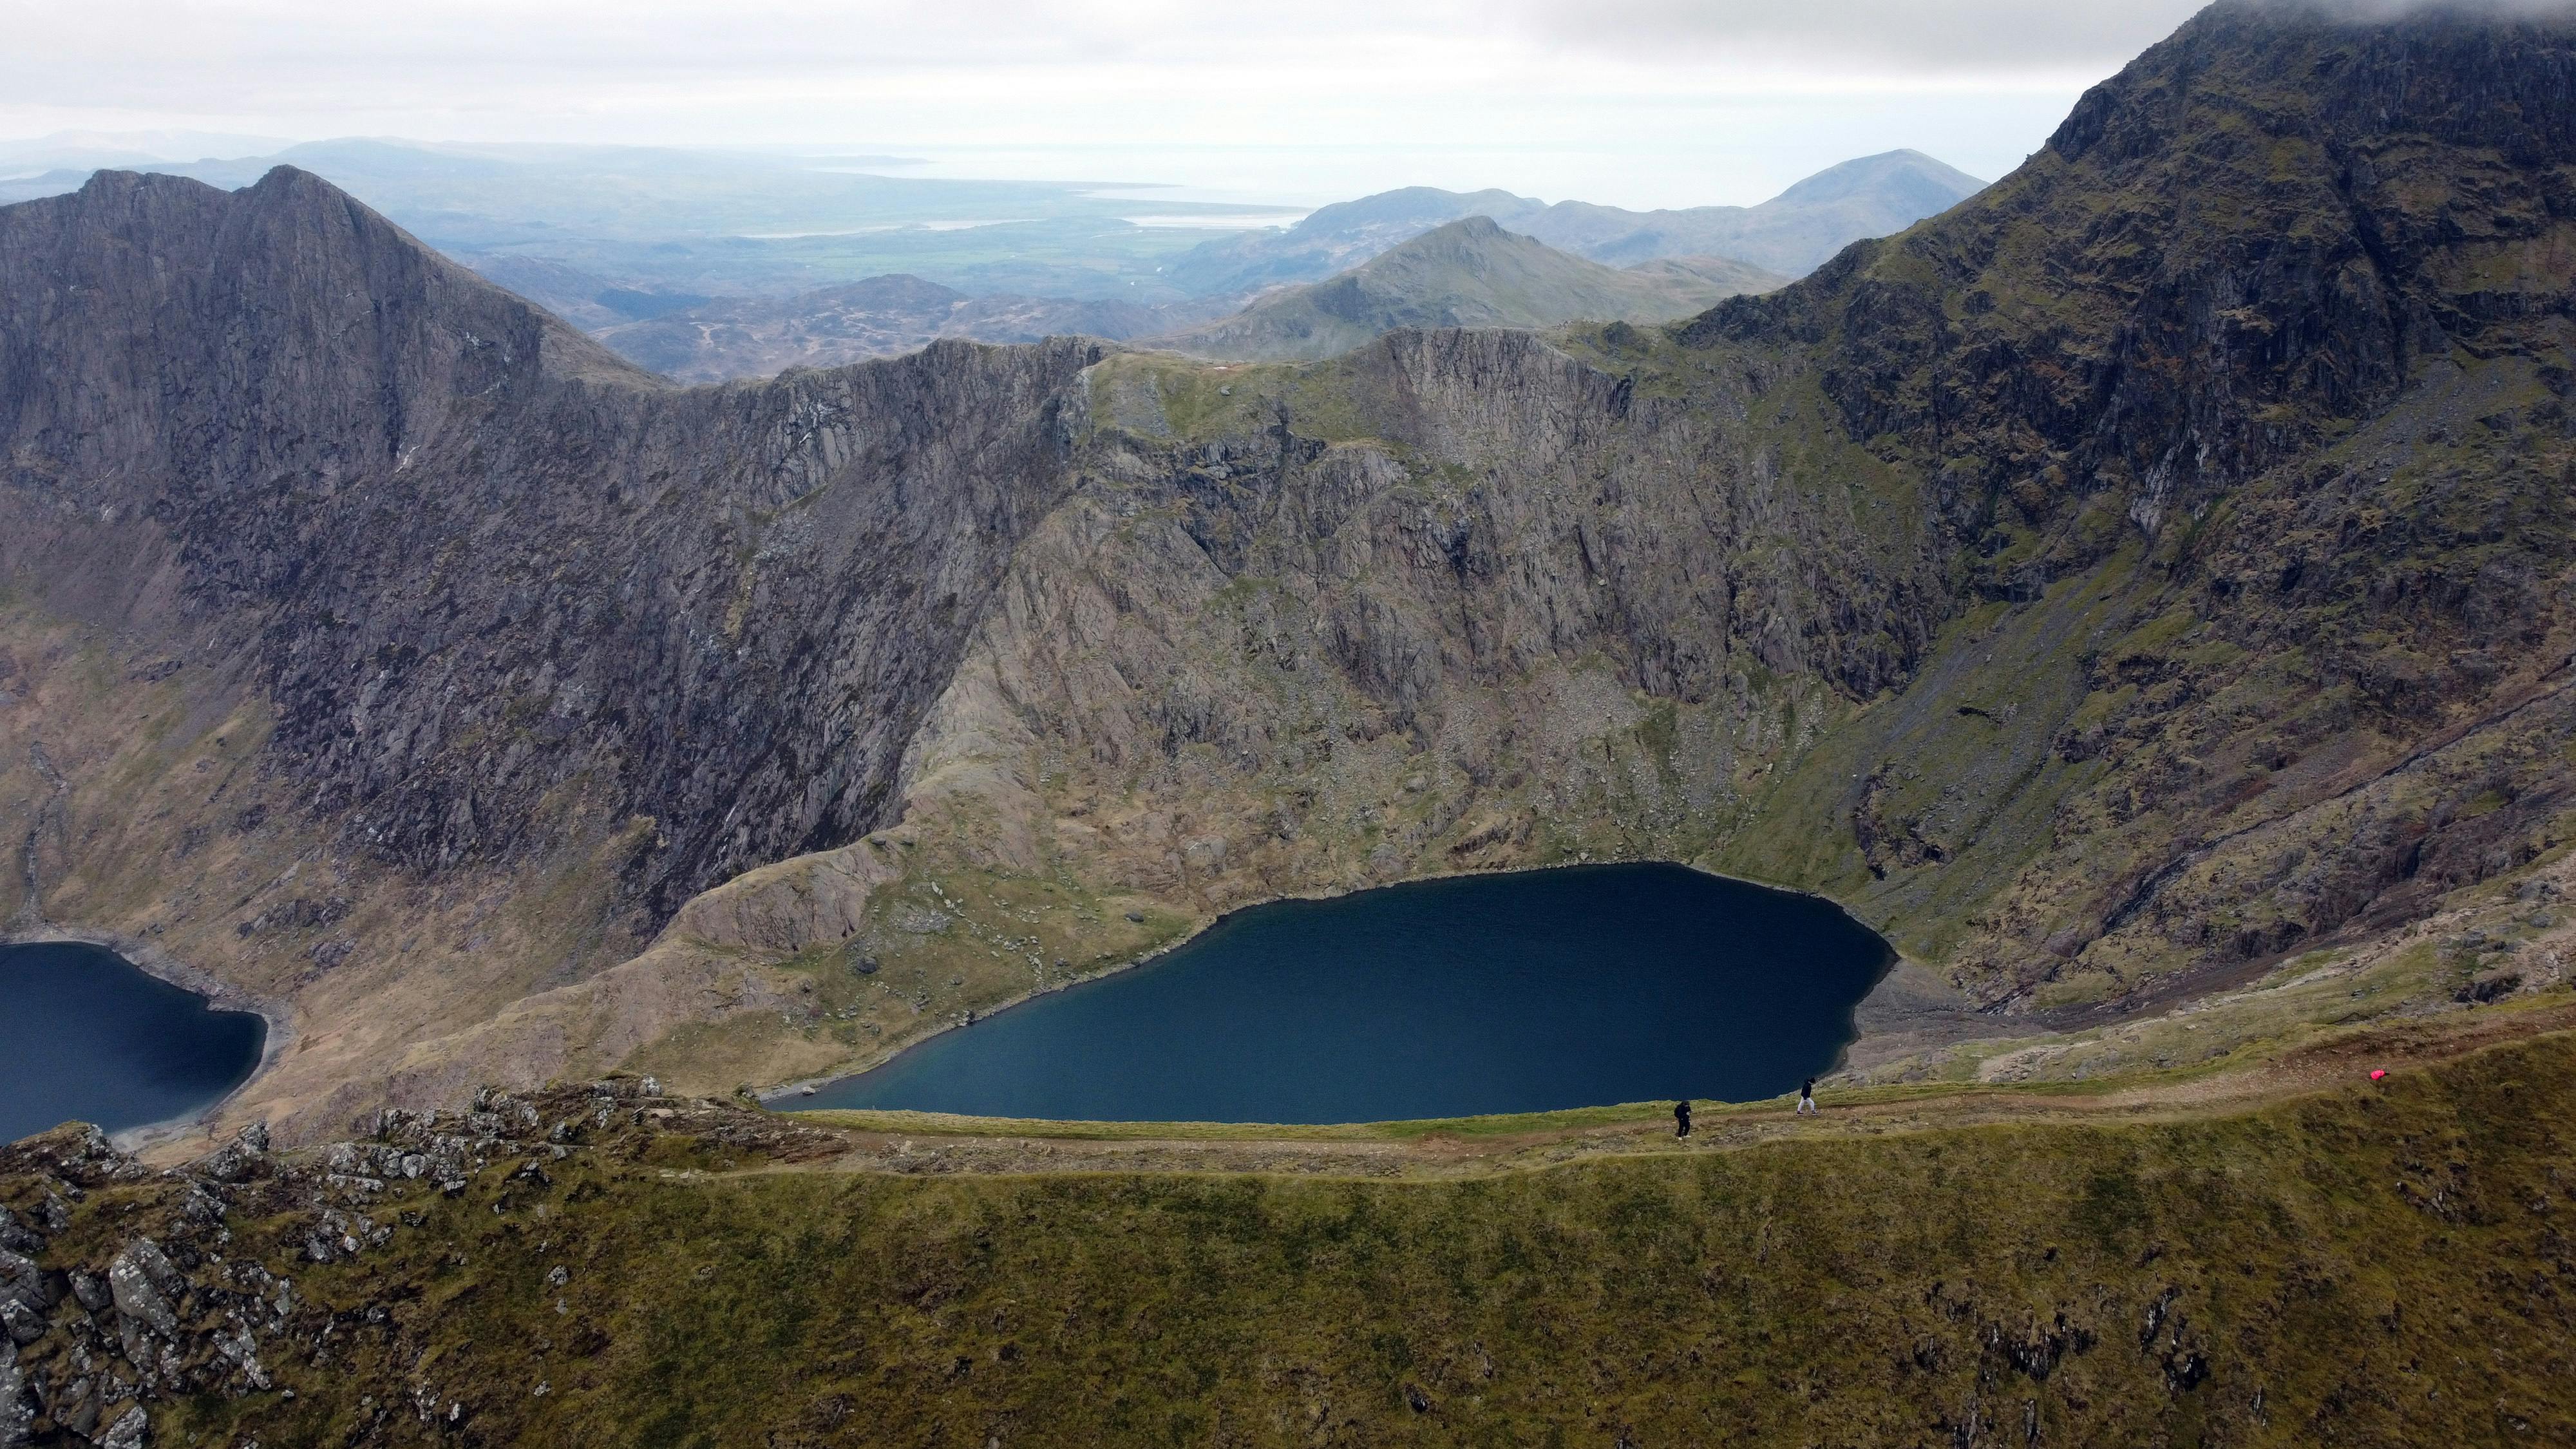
x=1500 y=993
x=87 y=1036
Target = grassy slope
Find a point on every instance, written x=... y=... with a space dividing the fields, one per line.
x=2376 y=1265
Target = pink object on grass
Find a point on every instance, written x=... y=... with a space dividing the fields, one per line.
x=2376 y=1073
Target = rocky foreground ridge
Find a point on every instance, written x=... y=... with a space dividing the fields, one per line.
x=2145 y=573
x=162 y=1302
x=600 y=1264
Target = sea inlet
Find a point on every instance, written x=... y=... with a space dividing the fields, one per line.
x=1532 y=991
x=87 y=1036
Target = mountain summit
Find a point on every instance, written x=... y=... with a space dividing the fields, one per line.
x=1469 y=273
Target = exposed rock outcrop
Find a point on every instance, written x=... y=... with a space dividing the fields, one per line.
x=182 y=1307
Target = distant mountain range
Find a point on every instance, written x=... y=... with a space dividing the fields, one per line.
x=80 y=152
x=1312 y=289
x=708 y=265
x=695 y=223
x=1792 y=233
x=1468 y=273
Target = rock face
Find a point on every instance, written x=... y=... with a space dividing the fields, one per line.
x=2231 y=392
x=2149 y=566
x=424 y=507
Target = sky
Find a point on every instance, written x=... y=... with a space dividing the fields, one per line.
x=1629 y=102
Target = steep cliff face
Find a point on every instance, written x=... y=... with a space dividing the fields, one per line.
x=2252 y=386
x=2243 y=244
x=2148 y=568
x=479 y=560
x=501 y=619
x=1458 y=600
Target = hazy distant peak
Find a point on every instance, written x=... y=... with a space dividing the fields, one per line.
x=1791 y=233
x=91 y=149
x=1411 y=203
x=1471 y=272
x=1903 y=170
x=395 y=157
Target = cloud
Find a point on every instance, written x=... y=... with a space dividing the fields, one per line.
x=1729 y=97
x=327 y=66
x=2374 y=12
x=282 y=53
x=1909 y=37
x=1983 y=37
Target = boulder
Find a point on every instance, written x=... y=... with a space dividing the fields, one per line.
x=17 y=1412
x=238 y=1349
x=143 y=1284
x=21 y=1281
x=2491 y=985
x=244 y=1156
x=75 y=1406
x=92 y=1292
x=129 y=1432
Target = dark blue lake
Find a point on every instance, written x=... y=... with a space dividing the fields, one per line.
x=86 y=1036
x=1499 y=993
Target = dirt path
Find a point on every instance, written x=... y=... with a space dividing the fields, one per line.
x=2342 y=1063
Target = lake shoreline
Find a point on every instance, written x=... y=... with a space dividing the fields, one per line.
x=1575 y=906
x=1908 y=1012
x=220 y=995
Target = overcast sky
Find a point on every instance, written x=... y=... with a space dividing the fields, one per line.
x=1639 y=102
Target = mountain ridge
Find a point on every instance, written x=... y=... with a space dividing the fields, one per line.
x=515 y=717
x=1791 y=233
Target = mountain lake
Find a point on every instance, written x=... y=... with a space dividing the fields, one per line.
x=1573 y=987
x=87 y=1036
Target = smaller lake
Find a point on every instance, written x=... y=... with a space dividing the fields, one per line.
x=1577 y=987
x=87 y=1036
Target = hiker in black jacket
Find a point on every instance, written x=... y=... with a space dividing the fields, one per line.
x=1681 y=1118
x=1807 y=1097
